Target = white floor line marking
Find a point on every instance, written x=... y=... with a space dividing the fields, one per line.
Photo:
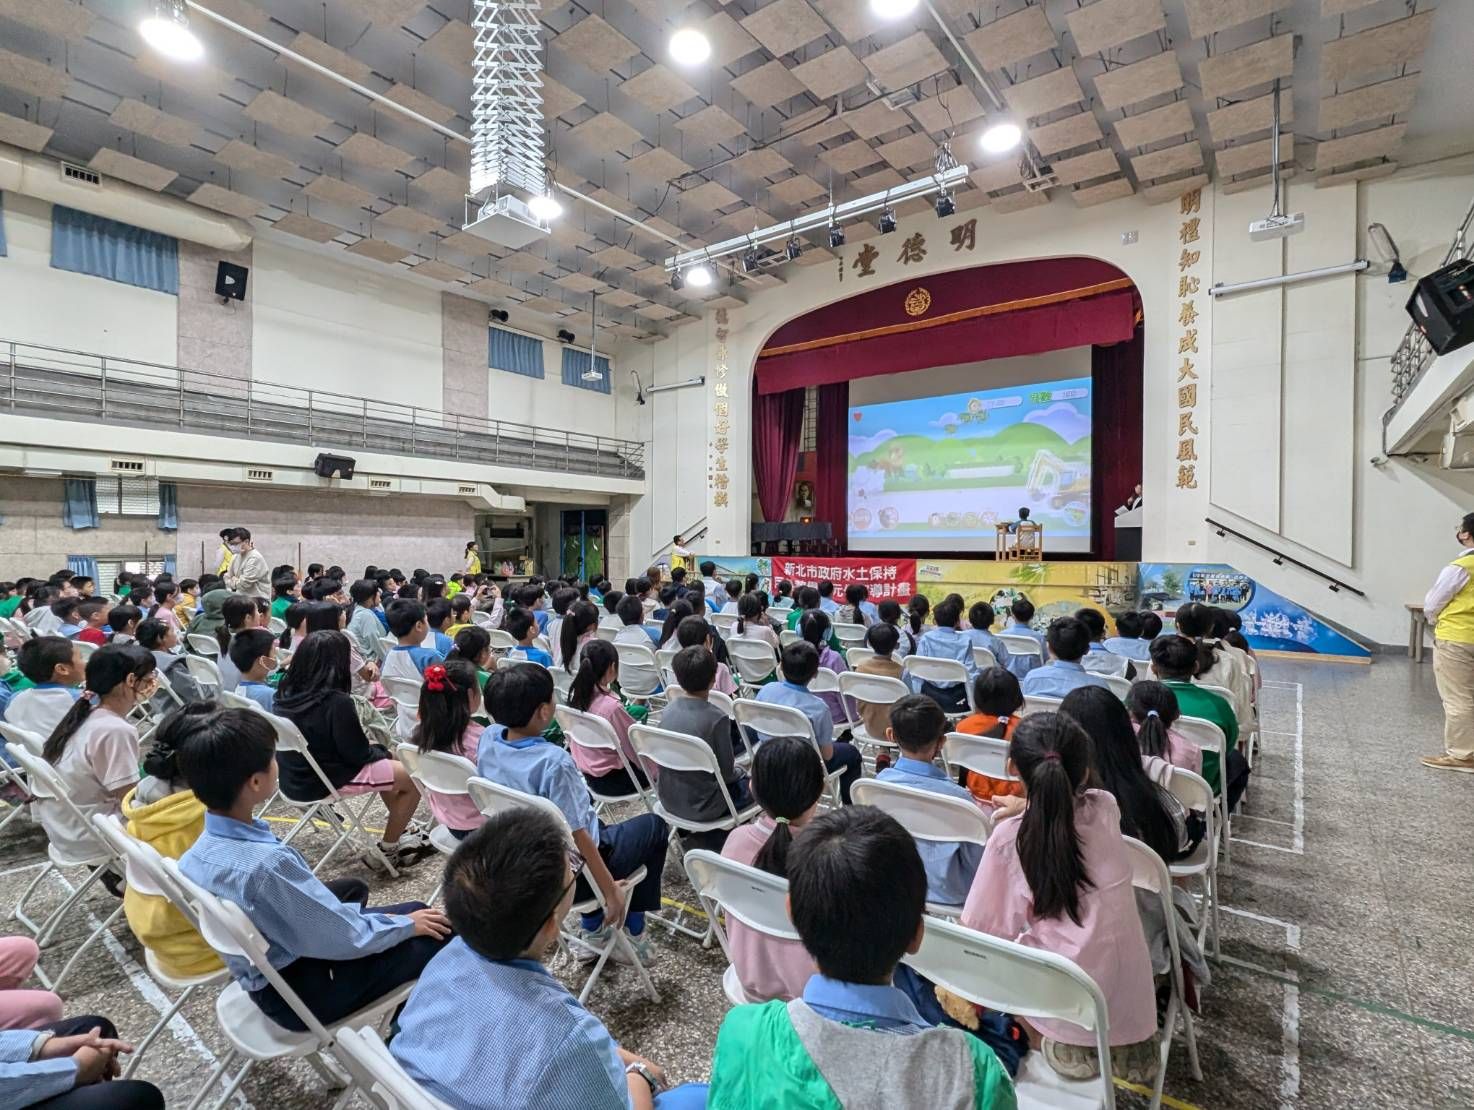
x=1299 y=769
x=1289 y=1008
x=1266 y=820
x=1261 y=844
x=16 y=870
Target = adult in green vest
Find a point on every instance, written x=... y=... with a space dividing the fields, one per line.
x=1450 y=607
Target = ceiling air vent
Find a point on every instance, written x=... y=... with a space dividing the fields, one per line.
x=257 y=474
x=380 y=483
x=126 y=466
x=73 y=172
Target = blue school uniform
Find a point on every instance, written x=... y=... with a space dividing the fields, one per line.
x=1057 y=678
x=260 y=693
x=949 y=867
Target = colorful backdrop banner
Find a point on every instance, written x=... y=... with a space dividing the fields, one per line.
x=885 y=578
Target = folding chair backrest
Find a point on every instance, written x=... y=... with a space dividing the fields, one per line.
x=824 y=681
x=849 y=635
x=204 y=671
x=481 y=618
x=726 y=623
x=674 y=751
x=639 y=673
x=1028 y=982
x=873 y=689
x=930 y=669
x=235 y=701
x=441 y=772
x=1120 y=685
x=755 y=898
x=289 y=738
x=1201 y=734
x=406 y=691
x=562 y=683
x=1034 y=704
x=1019 y=644
x=23 y=737
x=664 y=657
x=768 y=720
x=924 y=814
x=387 y=644
x=722 y=701
x=587 y=730
x=507 y=662
x=787 y=636
x=492 y=799
x=982 y=658
x=84 y=648
x=501 y=639
x=607 y=633
x=275 y=625
x=378 y=1073
x=201 y=644
x=856 y=654
x=43 y=782
x=987 y=755
x=141 y=879
x=754 y=660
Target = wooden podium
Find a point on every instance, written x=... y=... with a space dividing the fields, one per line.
x=1028 y=542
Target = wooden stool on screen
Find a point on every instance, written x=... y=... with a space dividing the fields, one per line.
x=1028 y=541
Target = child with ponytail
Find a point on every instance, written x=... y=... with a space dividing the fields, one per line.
x=787 y=782
x=1057 y=878
x=598 y=671
x=449 y=698
x=751 y=624
x=580 y=625
x=95 y=748
x=1154 y=710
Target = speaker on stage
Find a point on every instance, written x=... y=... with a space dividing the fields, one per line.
x=1442 y=306
x=334 y=466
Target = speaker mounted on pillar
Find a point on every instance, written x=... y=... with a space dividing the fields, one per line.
x=1442 y=306
x=334 y=466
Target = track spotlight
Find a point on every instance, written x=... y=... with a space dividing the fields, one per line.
x=793 y=248
x=699 y=275
x=565 y=336
x=689 y=47
x=500 y=315
x=749 y=260
x=887 y=221
x=167 y=31
x=945 y=205
x=677 y=279
x=836 y=235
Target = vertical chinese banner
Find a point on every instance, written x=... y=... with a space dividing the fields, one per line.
x=718 y=476
x=1190 y=295
x=884 y=578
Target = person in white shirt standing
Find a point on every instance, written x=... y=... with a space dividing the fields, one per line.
x=1449 y=606
x=249 y=572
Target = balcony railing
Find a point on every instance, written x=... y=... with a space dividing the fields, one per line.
x=76 y=385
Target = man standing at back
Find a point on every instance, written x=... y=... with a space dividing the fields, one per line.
x=1449 y=606
x=249 y=572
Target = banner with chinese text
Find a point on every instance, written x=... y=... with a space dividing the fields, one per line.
x=885 y=578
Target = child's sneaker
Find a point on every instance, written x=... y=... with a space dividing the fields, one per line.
x=644 y=948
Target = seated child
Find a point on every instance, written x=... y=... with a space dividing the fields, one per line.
x=882 y=638
x=750 y=622
x=592 y=692
x=409 y=658
x=514 y=754
x=856 y=894
x=507 y=889
x=448 y=700
x=460 y=615
x=694 y=631
x=1097 y=659
x=980 y=631
x=1021 y=613
x=438 y=614
x=1154 y=710
x=93 y=613
x=997 y=695
x=124 y=619
x=1057 y=878
x=799 y=664
x=1069 y=640
x=632 y=623
x=71 y=1065
x=919 y=727
x=814 y=627
x=523 y=627
x=54 y=665
x=64 y=610
x=253 y=651
x=338 y=956
x=161 y=640
x=693 y=794
x=948 y=641
x=163 y=812
x=1127 y=641
x=1175 y=662
x=787 y=781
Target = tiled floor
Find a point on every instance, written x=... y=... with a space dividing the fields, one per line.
x=1345 y=980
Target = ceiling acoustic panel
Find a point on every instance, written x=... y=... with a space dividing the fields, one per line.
x=729 y=41
x=623 y=298
x=417 y=101
x=1092 y=195
x=1158 y=125
x=1341 y=7
x=617 y=258
x=216 y=199
x=1013 y=38
x=285 y=114
x=604 y=132
x=1083 y=167
x=28 y=75
x=875 y=182
x=114 y=163
x=409 y=219
x=831 y=73
x=1131 y=84
x=1208 y=17
x=874 y=120
x=331 y=57
x=23 y=133
x=1164 y=191
x=436 y=270
x=387 y=13
x=658 y=88
x=334 y=190
x=1017 y=202
x=1169 y=161
x=769 y=84
x=1109 y=23
x=1046 y=93
x=1067 y=133
x=913 y=59
x=1361 y=173
x=454 y=44
x=951 y=109
x=596 y=45
x=241 y=155
x=463 y=242
x=558 y=98
x=1332 y=154
x=1247 y=157
x=710 y=126
x=380 y=250
x=305 y=227
x=145 y=119
x=709 y=196
x=440 y=182
x=491 y=287
x=996 y=175
x=65 y=19
x=851 y=157
x=853 y=21
x=1255 y=64
x=912 y=150
x=200 y=78
x=785 y=25
x=1391 y=44
x=757 y=164
x=796 y=190
x=656 y=165
x=580 y=283
x=1380 y=101
x=366 y=150
x=1248 y=116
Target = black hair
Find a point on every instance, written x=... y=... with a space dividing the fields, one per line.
x=749 y=608
x=1068 y=638
x=1052 y=755
x=981 y=616
x=800 y=662
x=784 y=588
x=1221 y=626
x=1234 y=638
x=249 y=645
x=222 y=750
x=162 y=758
x=1175 y=657
x=1154 y=708
x=283 y=585
x=514 y=696
x=234 y=611
x=1467 y=524
x=855 y=593
x=826 y=588
x=693 y=632
x=41 y=655
x=1128 y=625
x=226 y=533
x=65 y=608
x=151 y=633
x=90 y=605
x=320 y=616
x=889 y=611
x=563 y=599
x=695 y=669
x=806 y=597
x=734 y=588
x=581 y=616
x=243 y=533
x=1151 y=625
x=917 y=609
x=708 y=568
x=187 y=585
x=787 y=781
x=1093 y=621
x=505 y=880
x=209 y=582
x=883 y=638
x=121 y=616
x=814 y=627
x=630 y=610
x=446 y=713
x=678 y=611
x=947 y=612
x=363 y=591
x=1195 y=621
x=437 y=611
x=612 y=598
x=1023 y=513
x=107 y=669
x=470 y=644
x=678 y=575
x=856 y=893
x=593 y=664
x=996 y=690
x=319 y=663
x=409 y=592
x=164 y=590
x=917 y=721
x=1022 y=609
x=403 y=615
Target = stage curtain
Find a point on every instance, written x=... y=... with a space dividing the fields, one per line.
x=831 y=438
x=1116 y=434
x=777 y=428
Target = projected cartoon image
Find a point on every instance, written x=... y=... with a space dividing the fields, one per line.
x=952 y=467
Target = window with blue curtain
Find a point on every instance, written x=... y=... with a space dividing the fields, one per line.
x=84 y=564
x=88 y=244
x=171 y=565
x=516 y=354
x=79 y=503
x=574 y=365
x=168 y=507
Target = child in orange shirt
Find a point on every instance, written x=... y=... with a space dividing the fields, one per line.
x=997 y=695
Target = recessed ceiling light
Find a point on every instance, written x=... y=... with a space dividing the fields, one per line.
x=893 y=9
x=689 y=47
x=699 y=275
x=544 y=207
x=1001 y=137
x=167 y=31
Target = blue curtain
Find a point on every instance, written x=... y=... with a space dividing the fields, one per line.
x=171 y=565
x=79 y=503
x=83 y=564
x=88 y=244
x=168 y=507
x=574 y=365
x=517 y=354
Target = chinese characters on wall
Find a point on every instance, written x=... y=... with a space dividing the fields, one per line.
x=718 y=477
x=1189 y=284
x=962 y=237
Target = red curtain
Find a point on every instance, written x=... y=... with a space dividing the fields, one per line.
x=777 y=429
x=831 y=489
x=1116 y=431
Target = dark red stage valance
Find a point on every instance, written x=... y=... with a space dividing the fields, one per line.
x=1017 y=308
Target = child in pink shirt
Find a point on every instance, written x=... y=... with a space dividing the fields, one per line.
x=1154 y=711
x=786 y=781
x=598 y=670
x=450 y=695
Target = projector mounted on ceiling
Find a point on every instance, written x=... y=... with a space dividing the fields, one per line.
x=1277 y=227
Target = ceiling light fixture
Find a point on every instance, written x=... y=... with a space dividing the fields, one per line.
x=836 y=235
x=793 y=248
x=167 y=31
x=699 y=275
x=945 y=205
x=689 y=47
x=887 y=221
x=893 y=9
x=545 y=207
x=1001 y=137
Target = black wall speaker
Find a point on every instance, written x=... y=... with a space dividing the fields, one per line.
x=334 y=466
x=230 y=281
x=1442 y=306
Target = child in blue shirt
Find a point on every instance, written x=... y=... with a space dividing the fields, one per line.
x=523 y=627
x=1021 y=610
x=438 y=615
x=1127 y=641
x=408 y=625
x=1069 y=640
x=919 y=727
x=253 y=651
x=1097 y=659
x=980 y=617
x=799 y=664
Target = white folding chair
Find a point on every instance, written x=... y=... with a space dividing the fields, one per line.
x=482 y=619
x=201 y=644
x=145 y=873
x=378 y=1075
x=205 y=673
x=1208 y=737
x=987 y=755
x=927 y=816
x=1105 y=663
x=1036 y=704
x=253 y=1037
x=983 y=658
x=872 y=689
x=501 y=640
x=406 y=695
x=386 y=645
x=443 y=773
x=594 y=733
x=788 y=636
x=1027 y=982
x=1149 y=873
x=755 y=662
x=96 y=855
x=331 y=807
x=235 y=701
x=492 y=799
x=848 y=635
x=85 y=648
x=766 y=720
x=1018 y=644
x=562 y=683
x=30 y=741
x=507 y=662
x=676 y=751
x=725 y=623
x=856 y=655
x=639 y=672
x=939 y=672
x=757 y=899
x=1120 y=685
x=664 y=656
x=275 y=625
x=1196 y=795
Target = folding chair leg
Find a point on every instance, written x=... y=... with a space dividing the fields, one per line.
x=19 y=913
x=96 y=933
x=215 y=1077
x=332 y=1075
x=152 y=1035
x=588 y=987
x=53 y=922
x=1190 y=1034
x=233 y=1086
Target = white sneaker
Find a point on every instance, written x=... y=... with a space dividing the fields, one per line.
x=596 y=940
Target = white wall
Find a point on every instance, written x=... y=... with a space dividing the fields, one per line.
x=58 y=308
x=997 y=373
x=548 y=403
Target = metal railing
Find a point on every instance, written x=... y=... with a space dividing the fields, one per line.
x=76 y=385
x=1413 y=355
x=1280 y=558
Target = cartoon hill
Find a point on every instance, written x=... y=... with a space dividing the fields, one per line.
x=1019 y=439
